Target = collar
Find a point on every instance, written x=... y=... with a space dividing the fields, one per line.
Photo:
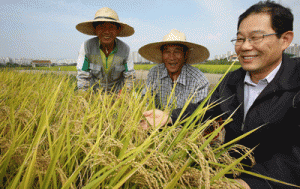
x=115 y=47
x=181 y=78
x=267 y=79
x=287 y=77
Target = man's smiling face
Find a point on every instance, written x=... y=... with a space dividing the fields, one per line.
x=173 y=57
x=259 y=58
x=107 y=33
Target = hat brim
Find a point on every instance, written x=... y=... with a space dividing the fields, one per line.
x=88 y=28
x=152 y=51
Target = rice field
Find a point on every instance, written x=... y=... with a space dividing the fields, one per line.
x=54 y=136
x=52 y=68
x=215 y=69
x=205 y=68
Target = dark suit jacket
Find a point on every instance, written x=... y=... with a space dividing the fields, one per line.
x=278 y=109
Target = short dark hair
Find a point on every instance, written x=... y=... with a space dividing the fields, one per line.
x=95 y=24
x=281 y=17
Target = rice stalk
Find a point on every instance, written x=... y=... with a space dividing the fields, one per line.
x=52 y=136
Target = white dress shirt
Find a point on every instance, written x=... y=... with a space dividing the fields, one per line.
x=252 y=90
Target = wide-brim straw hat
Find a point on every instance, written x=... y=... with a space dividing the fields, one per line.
x=105 y=14
x=152 y=51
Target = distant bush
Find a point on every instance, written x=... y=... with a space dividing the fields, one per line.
x=12 y=65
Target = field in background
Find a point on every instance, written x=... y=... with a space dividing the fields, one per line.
x=205 y=68
x=52 y=68
x=215 y=69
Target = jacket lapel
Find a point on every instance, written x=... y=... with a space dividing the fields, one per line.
x=236 y=85
x=236 y=102
x=283 y=81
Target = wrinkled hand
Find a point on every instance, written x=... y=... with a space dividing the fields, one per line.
x=155 y=118
x=119 y=93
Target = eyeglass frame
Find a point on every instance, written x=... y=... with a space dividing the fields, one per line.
x=233 y=41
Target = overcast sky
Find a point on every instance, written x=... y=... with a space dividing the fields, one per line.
x=46 y=28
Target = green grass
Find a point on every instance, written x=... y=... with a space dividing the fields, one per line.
x=216 y=69
x=53 y=68
x=143 y=66
x=205 y=68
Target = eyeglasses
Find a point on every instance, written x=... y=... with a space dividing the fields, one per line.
x=254 y=39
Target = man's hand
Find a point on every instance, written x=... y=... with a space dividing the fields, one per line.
x=155 y=118
x=119 y=93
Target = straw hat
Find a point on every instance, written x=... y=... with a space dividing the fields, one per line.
x=152 y=51
x=105 y=14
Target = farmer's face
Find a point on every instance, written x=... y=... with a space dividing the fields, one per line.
x=174 y=58
x=107 y=33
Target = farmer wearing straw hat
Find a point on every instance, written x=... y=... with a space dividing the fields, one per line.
x=103 y=60
x=174 y=56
